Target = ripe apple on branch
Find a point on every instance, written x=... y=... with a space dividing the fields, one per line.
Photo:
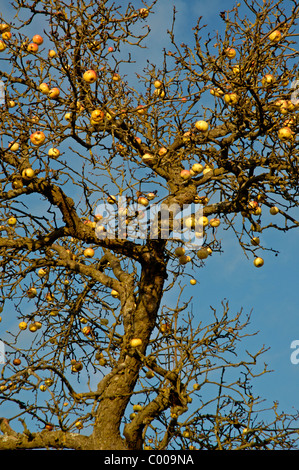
x=119 y=191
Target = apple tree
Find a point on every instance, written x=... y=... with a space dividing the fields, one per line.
x=116 y=184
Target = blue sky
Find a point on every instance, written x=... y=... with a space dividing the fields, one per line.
x=272 y=291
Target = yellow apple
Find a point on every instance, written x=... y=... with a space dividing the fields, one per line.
x=149 y=374
x=258 y=262
x=68 y=116
x=197 y=168
x=44 y=88
x=28 y=173
x=189 y=222
x=4 y=27
x=12 y=221
x=52 y=53
x=137 y=407
x=230 y=52
x=255 y=227
x=32 y=47
x=164 y=328
x=282 y=105
x=86 y=330
x=6 y=35
x=109 y=115
x=112 y=199
x=202 y=253
x=290 y=105
x=268 y=79
x=255 y=241
x=150 y=196
x=14 y=146
x=2 y=45
x=32 y=292
x=184 y=259
x=143 y=201
x=215 y=222
x=200 y=234
x=185 y=174
x=76 y=366
x=231 y=98
x=143 y=12
x=162 y=151
x=53 y=152
x=115 y=293
x=274 y=210
x=141 y=109
x=41 y=272
x=34 y=119
x=54 y=93
x=159 y=93
x=89 y=252
x=37 y=39
x=187 y=136
x=285 y=133
x=179 y=251
x=53 y=313
x=37 y=138
x=17 y=183
x=192 y=282
x=135 y=342
x=100 y=230
x=22 y=325
x=148 y=158
x=290 y=122
x=275 y=36
x=116 y=77
x=236 y=69
x=216 y=92
x=49 y=297
x=157 y=84
x=203 y=221
x=97 y=115
x=207 y=169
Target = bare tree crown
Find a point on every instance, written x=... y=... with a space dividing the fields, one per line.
x=97 y=358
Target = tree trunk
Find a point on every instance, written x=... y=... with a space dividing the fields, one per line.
x=118 y=391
